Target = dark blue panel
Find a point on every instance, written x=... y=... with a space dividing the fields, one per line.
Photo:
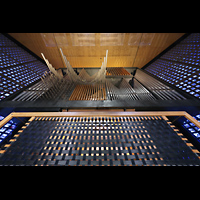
x=18 y=68
x=180 y=66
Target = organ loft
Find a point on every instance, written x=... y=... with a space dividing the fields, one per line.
x=99 y=99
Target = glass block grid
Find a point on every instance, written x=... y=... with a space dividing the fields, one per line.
x=99 y=141
x=194 y=130
x=7 y=129
x=180 y=66
x=18 y=68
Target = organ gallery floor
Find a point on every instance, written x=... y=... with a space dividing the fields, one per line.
x=99 y=141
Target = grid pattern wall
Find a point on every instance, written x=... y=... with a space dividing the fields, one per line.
x=7 y=129
x=194 y=130
x=180 y=66
x=18 y=68
x=99 y=141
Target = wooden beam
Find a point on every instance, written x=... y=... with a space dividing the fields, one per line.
x=6 y=119
x=97 y=113
x=192 y=119
x=106 y=113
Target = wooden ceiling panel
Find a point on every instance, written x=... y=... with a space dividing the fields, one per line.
x=88 y=49
x=159 y=43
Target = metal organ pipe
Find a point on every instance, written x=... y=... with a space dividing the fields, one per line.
x=161 y=90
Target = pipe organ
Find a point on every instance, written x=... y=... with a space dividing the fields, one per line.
x=144 y=87
x=106 y=85
x=112 y=131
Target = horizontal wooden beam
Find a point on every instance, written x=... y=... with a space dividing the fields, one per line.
x=5 y=120
x=97 y=113
x=105 y=113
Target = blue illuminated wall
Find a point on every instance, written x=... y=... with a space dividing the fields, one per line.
x=180 y=66
x=11 y=127
x=18 y=68
x=194 y=130
x=6 y=130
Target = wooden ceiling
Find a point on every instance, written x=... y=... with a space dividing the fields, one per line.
x=88 y=49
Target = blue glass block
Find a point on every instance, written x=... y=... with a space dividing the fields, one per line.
x=187 y=125
x=191 y=130
x=198 y=129
x=3 y=136
x=191 y=124
x=9 y=131
x=13 y=126
x=1 y=118
x=196 y=134
x=7 y=125
x=198 y=116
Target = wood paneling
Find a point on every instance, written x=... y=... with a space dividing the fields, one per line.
x=88 y=50
x=159 y=43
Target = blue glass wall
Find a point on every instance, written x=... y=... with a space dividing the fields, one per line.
x=18 y=68
x=190 y=127
x=180 y=66
x=6 y=130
